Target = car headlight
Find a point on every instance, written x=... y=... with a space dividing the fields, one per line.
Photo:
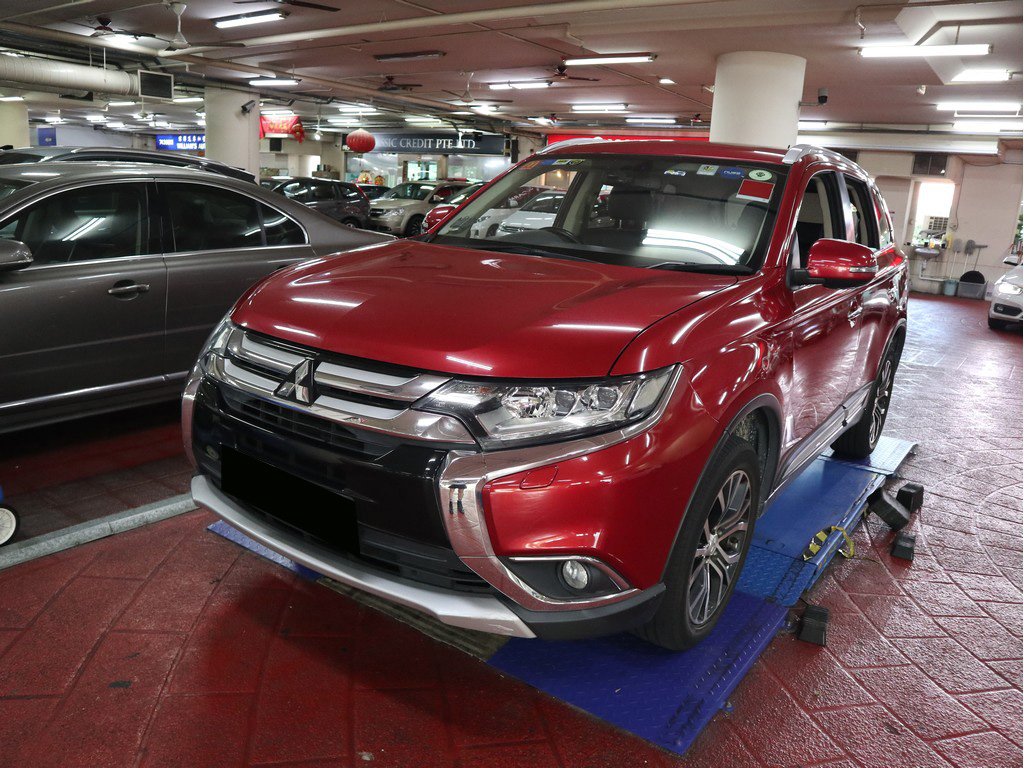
x=216 y=344
x=505 y=414
x=1008 y=289
x=392 y=213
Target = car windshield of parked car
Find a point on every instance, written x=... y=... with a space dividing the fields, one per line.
x=632 y=210
x=409 y=191
x=9 y=187
x=14 y=158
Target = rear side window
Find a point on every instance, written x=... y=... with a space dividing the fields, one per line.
x=100 y=221
x=280 y=229
x=323 y=190
x=205 y=218
x=862 y=209
x=885 y=237
x=351 y=193
x=820 y=216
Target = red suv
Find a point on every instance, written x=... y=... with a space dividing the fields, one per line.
x=569 y=429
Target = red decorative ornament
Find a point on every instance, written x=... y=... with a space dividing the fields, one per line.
x=361 y=141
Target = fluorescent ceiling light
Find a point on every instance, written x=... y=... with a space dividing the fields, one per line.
x=277 y=112
x=652 y=120
x=982 y=76
x=978 y=106
x=274 y=81
x=666 y=81
x=360 y=108
x=12 y=98
x=598 y=107
x=244 y=19
x=422 y=120
x=461 y=112
x=924 y=51
x=410 y=56
x=96 y=118
x=54 y=119
x=811 y=125
x=542 y=120
x=615 y=58
x=121 y=104
x=188 y=100
x=115 y=124
x=988 y=126
x=522 y=85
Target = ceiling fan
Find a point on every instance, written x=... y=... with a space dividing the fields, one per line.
x=389 y=84
x=467 y=98
x=296 y=3
x=561 y=74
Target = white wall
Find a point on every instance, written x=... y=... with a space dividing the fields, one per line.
x=985 y=209
x=87 y=136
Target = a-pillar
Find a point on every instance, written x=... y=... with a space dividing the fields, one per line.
x=233 y=128
x=13 y=124
x=757 y=98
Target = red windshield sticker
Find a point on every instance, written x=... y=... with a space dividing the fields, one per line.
x=755 y=190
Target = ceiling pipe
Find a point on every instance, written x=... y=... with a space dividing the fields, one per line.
x=70 y=38
x=58 y=74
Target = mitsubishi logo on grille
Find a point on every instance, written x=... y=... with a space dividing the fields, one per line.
x=297 y=385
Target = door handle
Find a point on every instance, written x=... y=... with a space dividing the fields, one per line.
x=121 y=289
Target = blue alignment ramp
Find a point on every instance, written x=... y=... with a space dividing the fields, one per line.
x=668 y=698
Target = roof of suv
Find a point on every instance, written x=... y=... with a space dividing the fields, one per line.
x=710 y=150
x=103 y=169
x=125 y=154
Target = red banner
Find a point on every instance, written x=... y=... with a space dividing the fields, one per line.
x=282 y=127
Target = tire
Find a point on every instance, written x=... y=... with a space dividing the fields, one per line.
x=414 y=227
x=700 y=582
x=860 y=440
x=491 y=231
x=8 y=524
x=353 y=223
x=996 y=325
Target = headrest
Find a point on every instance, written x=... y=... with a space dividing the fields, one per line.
x=630 y=204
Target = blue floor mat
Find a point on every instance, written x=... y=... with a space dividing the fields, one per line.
x=668 y=698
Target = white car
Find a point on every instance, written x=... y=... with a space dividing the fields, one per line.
x=1006 y=301
x=486 y=226
x=539 y=212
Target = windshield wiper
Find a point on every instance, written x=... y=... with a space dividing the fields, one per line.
x=710 y=269
x=527 y=250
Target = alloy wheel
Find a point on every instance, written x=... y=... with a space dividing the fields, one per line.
x=881 y=405
x=719 y=549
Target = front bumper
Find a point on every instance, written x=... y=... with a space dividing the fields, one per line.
x=1006 y=307
x=393 y=226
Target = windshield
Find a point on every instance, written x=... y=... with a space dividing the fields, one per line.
x=633 y=210
x=9 y=187
x=14 y=158
x=409 y=191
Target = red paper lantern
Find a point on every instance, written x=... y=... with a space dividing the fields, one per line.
x=361 y=141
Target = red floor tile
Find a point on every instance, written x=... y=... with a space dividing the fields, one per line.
x=967 y=751
x=398 y=728
x=875 y=739
x=1001 y=709
x=508 y=756
x=20 y=722
x=198 y=732
x=950 y=665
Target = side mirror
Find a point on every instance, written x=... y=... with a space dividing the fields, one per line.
x=838 y=264
x=1013 y=261
x=14 y=255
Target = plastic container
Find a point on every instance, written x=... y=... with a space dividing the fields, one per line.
x=949 y=287
x=972 y=285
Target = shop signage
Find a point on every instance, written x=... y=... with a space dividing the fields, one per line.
x=46 y=137
x=183 y=142
x=282 y=127
x=442 y=143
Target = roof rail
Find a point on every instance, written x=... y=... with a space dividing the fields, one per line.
x=570 y=143
x=799 y=151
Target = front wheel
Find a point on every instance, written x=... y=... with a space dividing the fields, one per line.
x=8 y=524
x=708 y=556
x=860 y=440
x=414 y=227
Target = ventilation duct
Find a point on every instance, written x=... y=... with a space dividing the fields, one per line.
x=77 y=77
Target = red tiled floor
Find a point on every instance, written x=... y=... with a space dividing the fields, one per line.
x=169 y=646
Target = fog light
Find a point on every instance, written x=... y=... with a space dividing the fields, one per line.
x=575 y=574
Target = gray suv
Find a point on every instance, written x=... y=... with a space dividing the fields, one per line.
x=340 y=200
x=112 y=276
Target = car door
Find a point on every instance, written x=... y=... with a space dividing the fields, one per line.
x=219 y=242
x=86 y=318
x=824 y=325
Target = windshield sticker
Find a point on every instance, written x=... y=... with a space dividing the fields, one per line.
x=732 y=173
x=707 y=170
x=761 y=191
x=568 y=161
x=531 y=164
x=759 y=174
x=675 y=172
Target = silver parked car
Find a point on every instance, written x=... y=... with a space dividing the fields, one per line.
x=120 y=155
x=113 y=274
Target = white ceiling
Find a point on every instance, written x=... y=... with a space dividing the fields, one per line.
x=687 y=36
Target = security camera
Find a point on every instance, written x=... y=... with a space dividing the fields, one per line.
x=248 y=106
x=823 y=96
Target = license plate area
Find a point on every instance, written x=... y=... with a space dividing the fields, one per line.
x=290 y=501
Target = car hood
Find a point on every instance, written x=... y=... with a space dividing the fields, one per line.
x=1014 y=277
x=400 y=202
x=469 y=312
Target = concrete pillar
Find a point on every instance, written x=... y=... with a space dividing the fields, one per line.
x=757 y=98
x=232 y=136
x=14 y=123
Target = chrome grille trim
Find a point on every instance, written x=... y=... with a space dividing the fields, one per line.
x=262 y=370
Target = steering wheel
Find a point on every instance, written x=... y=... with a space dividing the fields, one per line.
x=565 y=234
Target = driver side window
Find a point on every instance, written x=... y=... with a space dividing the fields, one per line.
x=819 y=217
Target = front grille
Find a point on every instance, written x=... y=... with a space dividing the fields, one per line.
x=1004 y=309
x=376 y=211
